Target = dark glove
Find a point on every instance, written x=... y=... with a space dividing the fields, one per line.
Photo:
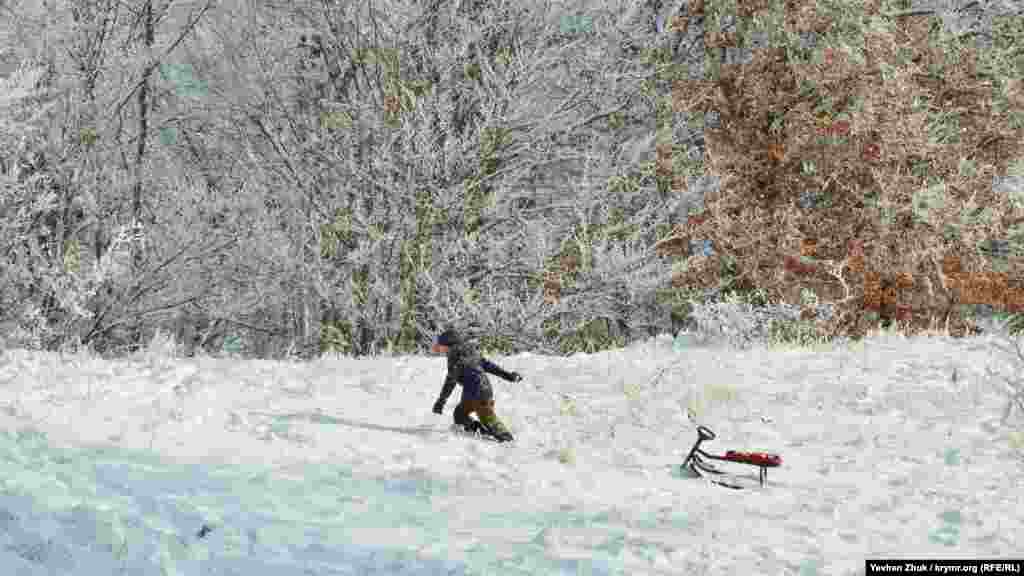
x=516 y=376
x=439 y=407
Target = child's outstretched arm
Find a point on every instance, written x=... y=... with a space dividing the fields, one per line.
x=446 y=391
x=493 y=368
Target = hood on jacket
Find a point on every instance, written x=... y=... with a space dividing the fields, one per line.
x=450 y=337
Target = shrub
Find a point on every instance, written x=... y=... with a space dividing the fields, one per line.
x=844 y=165
x=1010 y=349
x=746 y=320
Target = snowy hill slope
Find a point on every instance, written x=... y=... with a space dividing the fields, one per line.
x=215 y=466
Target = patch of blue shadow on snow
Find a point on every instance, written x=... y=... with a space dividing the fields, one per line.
x=116 y=511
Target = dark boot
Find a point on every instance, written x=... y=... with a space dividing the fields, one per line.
x=492 y=426
x=500 y=435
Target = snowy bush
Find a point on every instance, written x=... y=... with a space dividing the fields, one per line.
x=743 y=321
x=1008 y=374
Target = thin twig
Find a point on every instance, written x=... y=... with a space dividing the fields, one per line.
x=156 y=63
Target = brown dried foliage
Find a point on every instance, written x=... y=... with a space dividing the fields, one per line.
x=861 y=255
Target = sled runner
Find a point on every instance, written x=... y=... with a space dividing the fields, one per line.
x=698 y=461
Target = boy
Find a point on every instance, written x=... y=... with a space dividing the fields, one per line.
x=467 y=367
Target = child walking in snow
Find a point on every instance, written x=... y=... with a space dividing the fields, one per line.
x=467 y=367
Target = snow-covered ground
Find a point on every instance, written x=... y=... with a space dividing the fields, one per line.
x=157 y=465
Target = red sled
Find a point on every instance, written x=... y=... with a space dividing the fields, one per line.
x=698 y=460
x=756 y=458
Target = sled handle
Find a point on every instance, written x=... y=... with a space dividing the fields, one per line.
x=705 y=433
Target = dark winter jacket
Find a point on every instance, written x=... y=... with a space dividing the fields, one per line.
x=467 y=367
